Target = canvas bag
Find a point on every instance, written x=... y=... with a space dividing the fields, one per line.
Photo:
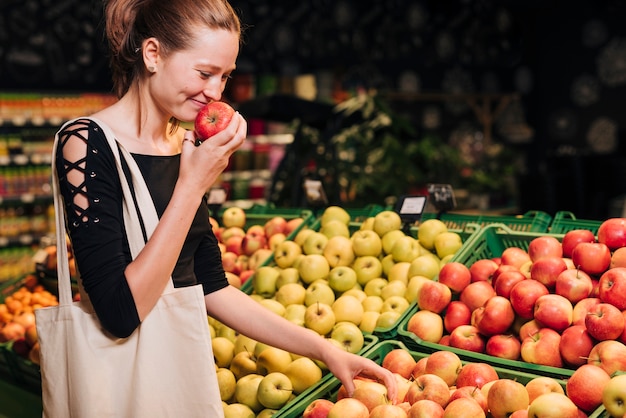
x=164 y=369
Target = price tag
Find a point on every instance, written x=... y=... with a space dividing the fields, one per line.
x=410 y=208
x=442 y=196
x=315 y=194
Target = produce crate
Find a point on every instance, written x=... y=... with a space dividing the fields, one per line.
x=566 y=221
x=489 y=242
x=328 y=389
x=26 y=374
x=259 y=214
x=532 y=221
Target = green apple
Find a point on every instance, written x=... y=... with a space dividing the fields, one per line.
x=313 y=267
x=375 y=287
x=368 y=223
x=342 y=278
x=259 y=348
x=614 y=396
x=302 y=235
x=366 y=242
x=387 y=262
x=406 y=249
x=426 y=265
x=428 y=230
x=319 y=291
x=393 y=288
x=386 y=221
x=335 y=228
x=223 y=351
x=243 y=364
x=295 y=313
x=348 y=308
x=238 y=410
x=286 y=253
x=244 y=343
x=395 y=303
x=287 y=275
x=320 y=318
x=264 y=281
x=390 y=238
x=357 y=292
x=246 y=391
x=369 y=321
x=274 y=390
x=349 y=335
x=234 y=216
x=274 y=306
x=372 y=303
x=367 y=267
x=272 y=359
x=336 y=213
x=388 y=319
x=447 y=243
x=276 y=239
x=226 y=382
x=291 y=293
x=226 y=332
x=399 y=272
x=447 y=259
x=338 y=251
x=303 y=373
x=314 y=243
x=267 y=413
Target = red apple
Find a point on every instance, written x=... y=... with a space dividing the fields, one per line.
x=476 y=294
x=612 y=232
x=482 y=269
x=433 y=296
x=544 y=246
x=495 y=317
x=610 y=355
x=622 y=338
x=444 y=364
x=399 y=361
x=275 y=225
x=514 y=256
x=318 y=408
x=573 y=284
x=618 y=258
x=582 y=308
x=476 y=374
x=506 y=281
x=592 y=257
x=584 y=387
x=503 y=268
x=388 y=411
x=605 y=322
x=542 y=348
x=554 y=311
x=573 y=237
x=428 y=386
x=455 y=275
x=612 y=287
x=575 y=345
x=524 y=295
x=420 y=367
x=467 y=337
x=211 y=119
x=529 y=328
x=506 y=346
x=547 y=269
x=252 y=242
x=457 y=313
x=473 y=394
x=425 y=408
x=539 y=385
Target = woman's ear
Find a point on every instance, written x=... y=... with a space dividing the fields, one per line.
x=150 y=50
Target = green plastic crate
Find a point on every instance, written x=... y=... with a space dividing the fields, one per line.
x=489 y=242
x=532 y=221
x=566 y=221
x=328 y=389
x=26 y=374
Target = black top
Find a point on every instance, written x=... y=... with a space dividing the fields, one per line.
x=97 y=231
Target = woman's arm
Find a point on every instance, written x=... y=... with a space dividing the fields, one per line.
x=240 y=312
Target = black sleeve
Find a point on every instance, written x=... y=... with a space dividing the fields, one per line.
x=93 y=198
x=208 y=259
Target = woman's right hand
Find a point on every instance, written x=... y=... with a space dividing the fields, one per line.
x=201 y=165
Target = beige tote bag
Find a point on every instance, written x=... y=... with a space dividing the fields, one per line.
x=164 y=369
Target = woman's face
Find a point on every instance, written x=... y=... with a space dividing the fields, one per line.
x=195 y=76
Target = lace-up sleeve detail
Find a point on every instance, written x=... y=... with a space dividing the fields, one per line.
x=92 y=196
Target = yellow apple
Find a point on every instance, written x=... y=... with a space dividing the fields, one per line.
x=428 y=230
x=303 y=373
x=348 y=308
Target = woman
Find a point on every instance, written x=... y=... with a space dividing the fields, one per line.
x=168 y=59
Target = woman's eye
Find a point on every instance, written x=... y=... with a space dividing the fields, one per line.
x=204 y=75
x=226 y=77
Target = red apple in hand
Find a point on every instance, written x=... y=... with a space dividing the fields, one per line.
x=211 y=119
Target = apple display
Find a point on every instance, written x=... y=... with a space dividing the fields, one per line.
x=514 y=256
x=214 y=117
x=406 y=249
x=246 y=391
x=286 y=253
x=455 y=275
x=274 y=390
x=349 y=335
x=335 y=228
x=237 y=410
x=371 y=394
x=223 y=351
x=434 y=296
x=313 y=267
x=464 y=407
x=320 y=318
x=388 y=319
x=335 y=213
x=614 y=396
x=319 y=292
x=243 y=364
x=226 y=382
x=264 y=281
x=506 y=280
x=472 y=393
x=303 y=373
x=375 y=286
x=348 y=407
x=315 y=243
x=367 y=268
x=447 y=244
x=609 y=355
x=396 y=303
x=366 y=242
x=618 y=258
x=399 y=272
x=348 y=308
x=272 y=359
x=547 y=269
x=581 y=308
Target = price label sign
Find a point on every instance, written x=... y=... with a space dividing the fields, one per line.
x=410 y=208
x=314 y=191
x=442 y=196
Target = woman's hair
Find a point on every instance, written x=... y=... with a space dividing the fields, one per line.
x=172 y=22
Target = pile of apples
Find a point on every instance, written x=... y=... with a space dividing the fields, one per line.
x=441 y=385
x=17 y=317
x=336 y=275
x=245 y=249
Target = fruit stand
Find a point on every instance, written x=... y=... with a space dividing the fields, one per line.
x=460 y=313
